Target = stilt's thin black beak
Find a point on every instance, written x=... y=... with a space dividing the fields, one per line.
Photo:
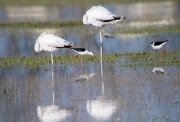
x=149 y=46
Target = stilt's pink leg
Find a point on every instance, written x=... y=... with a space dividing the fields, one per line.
x=74 y=57
x=160 y=53
x=167 y=50
x=81 y=60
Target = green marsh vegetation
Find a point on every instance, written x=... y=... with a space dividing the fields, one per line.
x=39 y=24
x=126 y=59
x=77 y=26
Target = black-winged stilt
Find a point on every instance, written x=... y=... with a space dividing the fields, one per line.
x=82 y=51
x=158 y=45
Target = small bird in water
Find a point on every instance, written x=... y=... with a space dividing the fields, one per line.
x=50 y=43
x=158 y=45
x=82 y=51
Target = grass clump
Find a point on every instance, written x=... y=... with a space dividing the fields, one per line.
x=77 y=25
x=152 y=58
x=127 y=59
x=40 y=24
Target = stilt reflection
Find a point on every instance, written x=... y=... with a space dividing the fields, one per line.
x=158 y=70
x=85 y=77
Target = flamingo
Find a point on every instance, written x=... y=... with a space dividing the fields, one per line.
x=100 y=16
x=50 y=43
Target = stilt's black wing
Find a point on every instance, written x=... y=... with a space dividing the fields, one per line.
x=159 y=43
x=79 y=49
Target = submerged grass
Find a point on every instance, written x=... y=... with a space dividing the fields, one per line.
x=153 y=58
x=154 y=29
x=129 y=59
x=78 y=25
x=40 y=24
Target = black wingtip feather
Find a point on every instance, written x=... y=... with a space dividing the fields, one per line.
x=117 y=17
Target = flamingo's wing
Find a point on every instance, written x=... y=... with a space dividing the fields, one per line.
x=100 y=13
x=51 y=40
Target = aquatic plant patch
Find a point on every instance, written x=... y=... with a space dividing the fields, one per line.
x=137 y=59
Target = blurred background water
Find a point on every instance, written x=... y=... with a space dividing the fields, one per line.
x=16 y=41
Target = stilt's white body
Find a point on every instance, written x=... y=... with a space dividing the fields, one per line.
x=100 y=16
x=158 y=46
x=82 y=51
x=85 y=53
x=50 y=43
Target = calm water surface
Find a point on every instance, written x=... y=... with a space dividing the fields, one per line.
x=79 y=93
x=15 y=42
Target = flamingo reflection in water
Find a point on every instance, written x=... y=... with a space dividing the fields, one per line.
x=53 y=113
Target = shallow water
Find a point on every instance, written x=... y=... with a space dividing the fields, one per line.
x=15 y=42
x=75 y=92
x=79 y=93
x=163 y=10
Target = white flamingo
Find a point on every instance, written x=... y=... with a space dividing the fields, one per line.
x=100 y=16
x=50 y=43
